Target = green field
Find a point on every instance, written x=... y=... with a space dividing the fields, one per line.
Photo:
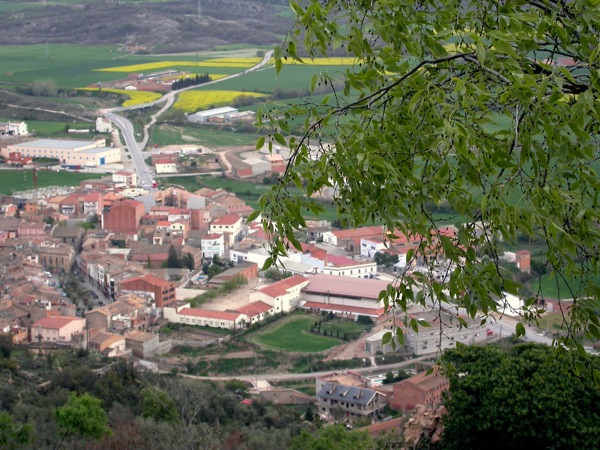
x=42 y=128
x=75 y=66
x=22 y=180
x=295 y=76
x=207 y=136
x=292 y=334
x=344 y=326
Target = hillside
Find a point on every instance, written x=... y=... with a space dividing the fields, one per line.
x=168 y=26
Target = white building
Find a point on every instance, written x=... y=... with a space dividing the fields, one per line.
x=13 y=129
x=221 y=114
x=231 y=225
x=213 y=244
x=284 y=295
x=205 y=317
x=165 y=166
x=103 y=125
x=69 y=152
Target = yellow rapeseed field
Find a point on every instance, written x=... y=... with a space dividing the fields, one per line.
x=333 y=61
x=242 y=63
x=191 y=101
x=135 y=97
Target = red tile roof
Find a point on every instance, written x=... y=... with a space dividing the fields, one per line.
x=282 y=287
x=342 y=261
x=228 y=219
x=56 y=322
x=220 y=315
x=212 y=236
x=92 y=197
x=150 y=279
x=255 y=308
x=163 y=223
x=366 y=288
x=359 y=232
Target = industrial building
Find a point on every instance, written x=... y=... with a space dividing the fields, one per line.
x=69 y=152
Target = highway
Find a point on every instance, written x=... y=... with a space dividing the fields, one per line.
x=144 y=173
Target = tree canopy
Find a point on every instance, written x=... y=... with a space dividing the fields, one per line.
x=525 y=398
x=488 y=108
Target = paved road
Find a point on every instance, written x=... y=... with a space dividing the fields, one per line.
x=144 y=172
x=312 y=375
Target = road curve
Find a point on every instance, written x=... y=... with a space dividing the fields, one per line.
x=144 y=174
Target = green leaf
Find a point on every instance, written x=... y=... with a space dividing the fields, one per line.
x=519 y=330
x=260 y=143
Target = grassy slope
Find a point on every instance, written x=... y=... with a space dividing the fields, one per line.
x=21 y=180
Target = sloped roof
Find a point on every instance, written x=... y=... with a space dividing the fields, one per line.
x=255 y=308
x=344 y=308
x=359 y=232
x=282 y=287
x=228 y=219
x=55 y=322
x=206 y=313
x=334 y=391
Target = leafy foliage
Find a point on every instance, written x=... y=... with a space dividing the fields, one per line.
x=488 y=108
x=528 y=398
x=82 y=416
x=332 y=438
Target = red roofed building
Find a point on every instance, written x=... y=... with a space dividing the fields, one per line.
x=256 y=311
x=33 y=229
x=350 y=238
x=56 y=328
x=204 y=317
x=231 y=225
x=284 y=295
x=421 y=389
x=92 y=203
x=123 y=217
x=161 y=290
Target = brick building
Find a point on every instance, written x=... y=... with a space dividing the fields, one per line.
x=161 y=290
x=421 y=389
x=123 y=217
x=56 y=257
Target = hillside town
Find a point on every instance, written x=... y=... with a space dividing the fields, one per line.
x=106 y=265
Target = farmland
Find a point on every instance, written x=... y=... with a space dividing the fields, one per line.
x=207 y=136
x=22 y=180
x=239 y=63
x=193 y=100
x=134 y=97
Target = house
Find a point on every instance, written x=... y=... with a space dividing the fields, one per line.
x=13 y=129
x=56 y=257
x=123 y=217
x=421 y=389
x=284 y=295
x=142 y=344
x=33 y=230
x=124 y=178
x=69 y=235
x=165 y=166
x=162 y=291
x=125 y=313
x=443 y=333
x=93 y=204
x=256 y=311
x=247 y=270
x=103 y=125
x=56 y=328
x=213 y=244
x=350 y=239
x=229 y=320
x=231 y=225
x=347 y=403
x=374 y=344
x=108 y=344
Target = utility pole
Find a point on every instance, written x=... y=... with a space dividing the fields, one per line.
x=199 y=8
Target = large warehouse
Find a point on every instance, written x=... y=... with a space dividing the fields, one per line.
x=80 y=153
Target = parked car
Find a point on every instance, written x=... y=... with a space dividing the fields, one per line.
x=93 y=294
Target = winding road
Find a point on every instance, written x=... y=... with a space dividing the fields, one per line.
x=144 y=173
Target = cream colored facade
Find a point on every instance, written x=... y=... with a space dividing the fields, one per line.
x=165 y=167
x=82 y=153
